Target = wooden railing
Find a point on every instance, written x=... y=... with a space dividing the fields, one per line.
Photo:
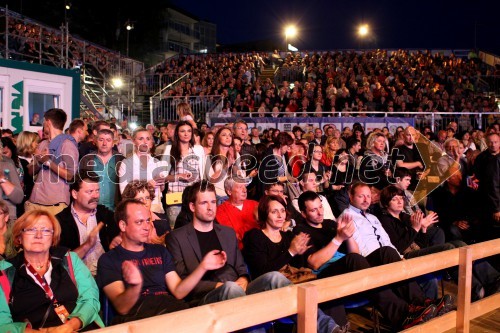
x=302 y=299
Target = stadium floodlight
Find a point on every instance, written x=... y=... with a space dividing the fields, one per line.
x=363 y=30
x=117 y=82
x=290 y=32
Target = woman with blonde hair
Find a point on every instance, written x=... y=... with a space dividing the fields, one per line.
x=185 y=113
x=51 y=289
x=331 y=146
x=27 y=143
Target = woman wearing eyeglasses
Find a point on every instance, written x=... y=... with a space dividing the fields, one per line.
x=51 y=289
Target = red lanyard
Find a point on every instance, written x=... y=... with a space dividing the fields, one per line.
x=42 y=281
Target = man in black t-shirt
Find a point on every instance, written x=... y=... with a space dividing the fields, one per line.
x=140 y=278
x=326 y=237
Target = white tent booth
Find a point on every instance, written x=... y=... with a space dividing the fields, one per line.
x=28 y=90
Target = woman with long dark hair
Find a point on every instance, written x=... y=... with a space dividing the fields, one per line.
x=187 y=165
x=223 y=158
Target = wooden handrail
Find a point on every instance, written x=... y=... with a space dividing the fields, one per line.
x=255 y=309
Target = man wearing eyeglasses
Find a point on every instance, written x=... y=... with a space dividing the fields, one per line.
x=87 y=228
x=140 y=278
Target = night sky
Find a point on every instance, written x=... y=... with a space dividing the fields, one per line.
x=322 y=24
x=331 y=24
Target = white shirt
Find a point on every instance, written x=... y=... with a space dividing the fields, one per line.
x=370 y=235
x=130 y=169
x=327 y=209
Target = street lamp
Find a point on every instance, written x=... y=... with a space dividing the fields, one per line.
x=129 y=26
x=290 y=32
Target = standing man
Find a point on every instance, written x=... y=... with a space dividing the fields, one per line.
x=105 y=162
x=55 y=164
x=78 y=130
x=487 y=171
x=191 y=242
x=412 y=160
x=140 y=278
x=89 y=146
x=87 y=228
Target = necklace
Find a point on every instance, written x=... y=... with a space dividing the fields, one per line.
x=38 y=267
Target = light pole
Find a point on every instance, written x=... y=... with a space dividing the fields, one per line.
x=129 y=26
x=67 y=7
x=290 y=32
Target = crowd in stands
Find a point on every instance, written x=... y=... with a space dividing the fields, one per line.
x=33 y=42
x=349 y=82
x=182 y=214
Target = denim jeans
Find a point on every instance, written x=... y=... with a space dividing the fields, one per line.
x=265 y=282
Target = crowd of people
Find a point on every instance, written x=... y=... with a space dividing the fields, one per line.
x=182 y=214
x=350 y=83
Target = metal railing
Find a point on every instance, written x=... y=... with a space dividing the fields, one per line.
x=164 y=109
x=435 y=120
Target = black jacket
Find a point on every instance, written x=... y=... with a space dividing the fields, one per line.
x=70 y=237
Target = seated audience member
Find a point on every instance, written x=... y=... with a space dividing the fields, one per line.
x=353 y=148
x=273 y=167
x=375 y=167
x=435 y=234
x=326 y=237
x=452 y=161
x=375 y=245
x=74 y=302
x=269 y=248
x=145 y=192
x=87 y=228
x=315 y=165
x=190 y=242
x=279 y=190
x=140 y=278
x=456 y=206
x=237 y=212
x=106 y=162
x=342 y=174
x=408 y=234
x=309 y=183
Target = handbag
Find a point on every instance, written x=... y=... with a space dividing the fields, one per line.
x=173 y=198
x=297 y=275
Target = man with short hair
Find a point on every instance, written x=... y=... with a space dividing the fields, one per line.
x=105 y=162
x=412 y=160
x=487 y=171
x=140 y=278
x=308 y=182
x=89 y=146
x=189 y=243
x=375 y=245
x=237 y=211
x=78 y=130
x=167 y=135
x=318 y=134
x=55 y=166
x=86 y=226
x=326 y=239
